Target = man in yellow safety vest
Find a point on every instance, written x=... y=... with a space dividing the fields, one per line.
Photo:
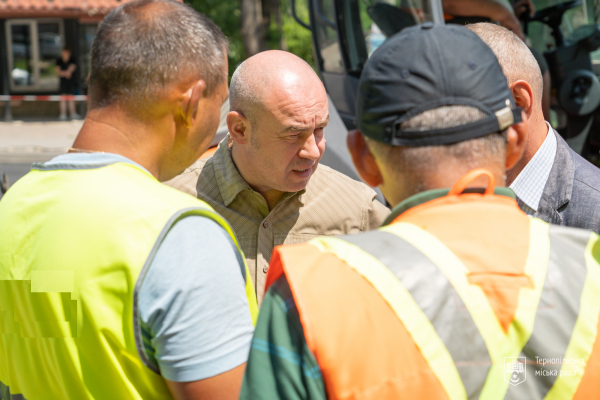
x=460 y=295
x=113 y=285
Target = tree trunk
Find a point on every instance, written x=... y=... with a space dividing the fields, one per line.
x=267 y=8
x=253 y=29
x=279 y=21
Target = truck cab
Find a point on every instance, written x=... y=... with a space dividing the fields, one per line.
x=346 y=32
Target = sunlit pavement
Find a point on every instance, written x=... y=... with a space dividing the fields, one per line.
x=23 y=143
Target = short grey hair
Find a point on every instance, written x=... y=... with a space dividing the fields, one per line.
x=419 y=161
x=243 y=93
x=145 y=45
x=514 y=56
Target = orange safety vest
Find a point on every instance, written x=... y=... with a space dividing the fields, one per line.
x=460 y=297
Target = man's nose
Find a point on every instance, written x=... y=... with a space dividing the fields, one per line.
x=309 y=149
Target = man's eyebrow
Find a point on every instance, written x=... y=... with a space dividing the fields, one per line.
x=325 y=121
x=296 y=128
x=301 y=128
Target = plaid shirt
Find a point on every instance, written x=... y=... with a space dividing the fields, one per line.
x=529 y=185
x=331 y=204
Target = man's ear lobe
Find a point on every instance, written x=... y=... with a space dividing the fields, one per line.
x=517 y=140
x=523 y=94
x=191 y=99
x=238 y=126
x=363 y=159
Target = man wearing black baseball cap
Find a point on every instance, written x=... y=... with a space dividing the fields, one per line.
x=460 y=294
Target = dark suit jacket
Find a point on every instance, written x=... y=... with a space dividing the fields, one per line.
x=572 y=193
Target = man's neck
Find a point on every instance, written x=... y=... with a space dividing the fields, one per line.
x=110 y=130
x=443 y=177
x=535 y=138
x=272 y=197
x=240 y=161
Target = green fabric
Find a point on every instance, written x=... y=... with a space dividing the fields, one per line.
x=74 y=243
x=281 y=366
x=424 y=197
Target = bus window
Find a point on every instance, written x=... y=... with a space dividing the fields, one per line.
x=327 y=37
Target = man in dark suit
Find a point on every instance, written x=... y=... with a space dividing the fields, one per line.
x=551 y=181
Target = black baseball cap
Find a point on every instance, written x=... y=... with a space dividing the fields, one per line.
x=426 y=67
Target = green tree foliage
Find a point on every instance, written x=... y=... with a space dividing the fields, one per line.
x=288 y=35
x=297 y=38
x=226 y=14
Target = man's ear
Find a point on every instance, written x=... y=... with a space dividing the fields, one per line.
x=524 y=98
x=363 y=159
x=238 y=126
x=191 y=98
x=517 y=139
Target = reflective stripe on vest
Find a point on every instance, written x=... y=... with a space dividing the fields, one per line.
x=405 y=307
x=420 y=276
x=585 y=332
x=557 y=312
x=467 y=350
x=499 y=345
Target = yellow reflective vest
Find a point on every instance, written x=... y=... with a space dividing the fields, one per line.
x=74 y=247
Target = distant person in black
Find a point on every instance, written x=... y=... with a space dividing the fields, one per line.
x=65 y=67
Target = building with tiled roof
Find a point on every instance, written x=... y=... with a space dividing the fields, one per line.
x=32 y=35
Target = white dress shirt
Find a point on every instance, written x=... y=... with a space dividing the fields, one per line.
x=529 y=185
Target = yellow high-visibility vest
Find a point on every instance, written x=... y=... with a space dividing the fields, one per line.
x=74 y=247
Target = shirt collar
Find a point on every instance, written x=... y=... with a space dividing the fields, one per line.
x=529 y=184
x=424 y=197
x=229 y=179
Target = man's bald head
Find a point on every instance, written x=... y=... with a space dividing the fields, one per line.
x=269 y=77
x=279 y=111
x=514 y=56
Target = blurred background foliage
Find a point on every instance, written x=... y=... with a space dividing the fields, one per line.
x=275 y=28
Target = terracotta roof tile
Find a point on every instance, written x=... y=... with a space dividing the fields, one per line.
x=96 y=6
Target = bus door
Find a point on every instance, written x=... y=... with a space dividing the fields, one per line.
x=346 y=32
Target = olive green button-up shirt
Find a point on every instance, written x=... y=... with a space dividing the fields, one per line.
x=331 y=204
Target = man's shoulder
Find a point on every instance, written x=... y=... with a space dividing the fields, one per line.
x=586 y=174
x=328 y=180
x=571 y=177
x=576 y=183
x=351 y=206
x=188 y=180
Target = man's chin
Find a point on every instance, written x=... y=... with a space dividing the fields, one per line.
x=299 y=181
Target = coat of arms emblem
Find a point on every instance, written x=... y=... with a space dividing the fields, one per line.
x=514 y=370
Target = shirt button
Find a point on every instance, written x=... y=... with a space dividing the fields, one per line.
x=265 y=224
x=265 y=269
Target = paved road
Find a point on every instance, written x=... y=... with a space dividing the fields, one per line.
x=23 y=143
x=14 y=171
